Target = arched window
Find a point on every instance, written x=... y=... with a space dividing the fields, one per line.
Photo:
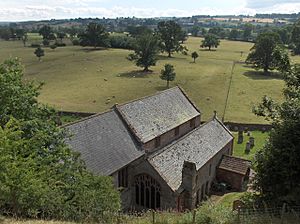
x=147 y=192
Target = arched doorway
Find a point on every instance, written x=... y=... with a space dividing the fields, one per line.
x=147 y=192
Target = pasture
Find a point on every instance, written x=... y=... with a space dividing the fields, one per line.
x=88 y=80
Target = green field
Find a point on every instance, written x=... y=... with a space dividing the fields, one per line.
x=82 y=79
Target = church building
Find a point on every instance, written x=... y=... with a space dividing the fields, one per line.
x=156 y=150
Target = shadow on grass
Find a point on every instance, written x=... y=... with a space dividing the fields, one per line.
x=162 y=88
x=136 y=74
x=89 y=49
x=206 y=49
x=259 y=75
x=164 y=57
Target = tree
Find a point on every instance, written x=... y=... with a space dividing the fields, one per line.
x=135 y=31
x=24 y=39
x=267 y=53
x=145 y=51
x=61 y=36
x=234 y=34
x=168 y=73
x=195 y=56
x=5 y=33
x=39 y=52
x=210 y=41
x=94 y=35
x=183 y=36
x=40 y=176
x=45 y=31
x=277 y=163
x=195 y=30
x=296 y=37
x=170 y=34
x=247 y=32
x=46 y=42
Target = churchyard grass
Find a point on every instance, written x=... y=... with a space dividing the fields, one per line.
x=239 y=149
x=87 y=80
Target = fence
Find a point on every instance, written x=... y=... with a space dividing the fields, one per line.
x=284 y=214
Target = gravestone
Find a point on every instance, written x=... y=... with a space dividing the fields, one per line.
x=248 y=148
x=240 y=137
x=251 y=140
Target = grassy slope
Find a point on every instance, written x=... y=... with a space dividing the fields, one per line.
x=75 y=78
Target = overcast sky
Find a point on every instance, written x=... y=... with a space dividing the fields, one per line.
x=20 y=10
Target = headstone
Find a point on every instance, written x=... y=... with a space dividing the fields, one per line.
x=251 y=140
x=249 y=133
x=248 y=147
x=240 y=137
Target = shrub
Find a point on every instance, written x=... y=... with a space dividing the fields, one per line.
x=75 y=42
x=122 y=42
x=58 y=44
x=53 y=46
x=46 y=42
x=35 y=45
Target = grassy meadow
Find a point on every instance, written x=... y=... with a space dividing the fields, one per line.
x=87 y=80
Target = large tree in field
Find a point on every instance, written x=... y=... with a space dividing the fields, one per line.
x=277 y=163
x=168 y=74
x=170 y=34
x=210 y=41
x=94 y=36
x=40 y=176
x=296 y=37
x=268 y=54
x=146 y=49
x=39 y=52
x=45 y=31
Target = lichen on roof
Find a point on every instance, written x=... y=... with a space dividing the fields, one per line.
x=199 y=146
x=152 y=116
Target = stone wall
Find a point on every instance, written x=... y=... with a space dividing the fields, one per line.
x=206 y=175
x=170 y=136
x=250 y=127
x=234 y=179
x=142 y=166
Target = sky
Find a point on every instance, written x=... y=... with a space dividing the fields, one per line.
x=23 y=10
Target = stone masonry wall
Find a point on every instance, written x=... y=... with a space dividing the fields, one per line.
x=141 y=166
x=170 y=136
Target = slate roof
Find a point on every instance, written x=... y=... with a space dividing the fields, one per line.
x=235 y=164
x=199 y=146
x=152 y=116
x=104 y=142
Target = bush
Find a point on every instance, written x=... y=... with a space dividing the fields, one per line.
x=76 y=42
x=58 y=44
x=122 y=42
x=35 y=45
x=46 y=42
x=53 y=46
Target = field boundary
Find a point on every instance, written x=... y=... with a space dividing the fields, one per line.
x=232 y=126
x=228 y=91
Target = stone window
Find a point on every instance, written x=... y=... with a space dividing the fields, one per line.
x=147 y=192
x=157 y=142
x=193 y=123
x=177 y=131
x=209 y=173
x=123 y=177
